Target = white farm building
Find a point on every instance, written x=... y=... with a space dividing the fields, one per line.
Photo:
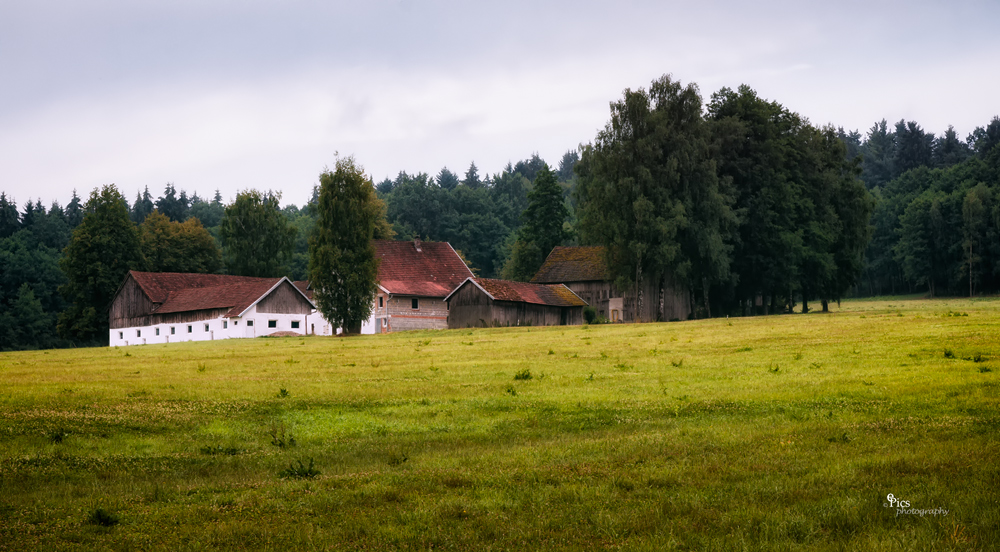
x=170 y=307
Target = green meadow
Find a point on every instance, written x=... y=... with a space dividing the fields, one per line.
x=767 y=433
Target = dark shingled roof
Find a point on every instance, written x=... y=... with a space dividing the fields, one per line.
x=433 y=271
x=573 y=264
x=553 y=295
x=180 y=292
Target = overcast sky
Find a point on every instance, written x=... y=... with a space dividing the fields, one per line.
x=229 y=95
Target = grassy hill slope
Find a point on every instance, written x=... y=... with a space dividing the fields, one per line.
x=781 y=432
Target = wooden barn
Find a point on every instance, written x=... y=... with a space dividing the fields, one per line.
x=482 y=302
x=583 y=270
x=169 y=307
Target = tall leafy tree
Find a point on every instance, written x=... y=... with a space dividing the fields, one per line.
x=257 y=239
x=342 y=263
x=649 y=191
x=100 y=253
x=170 y=246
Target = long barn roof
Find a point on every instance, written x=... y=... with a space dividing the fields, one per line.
x=183 y=292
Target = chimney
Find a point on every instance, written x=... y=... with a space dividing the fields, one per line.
x=416 y=244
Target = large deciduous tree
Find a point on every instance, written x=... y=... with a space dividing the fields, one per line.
x=103 y=248
x=170 y=246
x=257 y=239
x=649 y=191
x=342 y=263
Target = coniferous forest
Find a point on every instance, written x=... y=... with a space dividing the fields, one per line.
x=749 y=205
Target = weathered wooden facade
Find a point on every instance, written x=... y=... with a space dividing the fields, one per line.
x=583 y=270
x=482 y=302
x=168 y=307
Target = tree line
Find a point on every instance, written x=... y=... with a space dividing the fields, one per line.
x=747 y=204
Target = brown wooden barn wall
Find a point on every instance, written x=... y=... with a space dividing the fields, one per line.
x=284 y=299
x=470 y=307
x=130 y=306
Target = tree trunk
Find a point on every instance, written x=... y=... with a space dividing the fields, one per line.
x=708 y=309
x=826 y=305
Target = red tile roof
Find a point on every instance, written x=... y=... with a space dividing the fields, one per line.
x=433 y=271
x=553 y=295
x=179 y=292
x=573 y=264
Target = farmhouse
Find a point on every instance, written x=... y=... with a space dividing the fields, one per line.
x=169 y=307
x=583 y=270
x=414 y=278
x=481 y=302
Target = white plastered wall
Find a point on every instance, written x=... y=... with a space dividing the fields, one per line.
x=220 y=328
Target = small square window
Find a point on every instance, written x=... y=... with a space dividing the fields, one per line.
x=206 y=327
x=138 y=333
x=415 y=304
x=249 y=322
x=157 y=331
x=295 y=324
x=173 y=330
x=272 y=323
x=190 y=329
x=121 y=335
x=225 y=324
x=236 y=322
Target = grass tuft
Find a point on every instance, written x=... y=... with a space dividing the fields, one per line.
x=300 y=471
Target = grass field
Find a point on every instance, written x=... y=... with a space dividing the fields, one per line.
x=768 y=433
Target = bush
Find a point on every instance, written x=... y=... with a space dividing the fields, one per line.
x=523 y=375
x=589 y=314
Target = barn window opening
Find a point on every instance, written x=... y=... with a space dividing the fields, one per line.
x=272 y=323
x=381 y=302
x=173 y=330
x=415 y=305
x=225 y=324
x=206 y=327
x=138 y=333
x=190 y=329
x=249 y=323
x=121 y=335
x=157 y=331
x=295 y=324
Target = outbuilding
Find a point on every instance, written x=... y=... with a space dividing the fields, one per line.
x=154 y=307
x=483 y=302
